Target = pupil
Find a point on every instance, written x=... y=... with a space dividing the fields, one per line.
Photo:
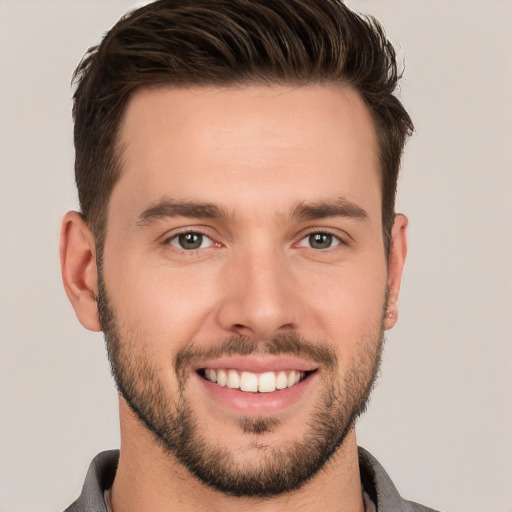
x=191 y=240
x=320 y=240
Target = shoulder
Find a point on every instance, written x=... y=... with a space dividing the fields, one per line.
x=100 y=476
x=381 y=489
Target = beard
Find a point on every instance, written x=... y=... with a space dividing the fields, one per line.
x=276 y=469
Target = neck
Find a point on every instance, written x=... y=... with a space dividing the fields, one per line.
x=148 y=478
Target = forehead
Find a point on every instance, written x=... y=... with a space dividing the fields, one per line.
x=248 y=144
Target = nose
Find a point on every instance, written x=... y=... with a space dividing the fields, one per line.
x=259 y=298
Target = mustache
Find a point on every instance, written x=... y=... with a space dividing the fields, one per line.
x=282 y=344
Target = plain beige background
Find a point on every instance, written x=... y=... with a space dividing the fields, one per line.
x=440 y=420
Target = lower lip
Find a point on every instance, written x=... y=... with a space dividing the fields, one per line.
x=257 y=404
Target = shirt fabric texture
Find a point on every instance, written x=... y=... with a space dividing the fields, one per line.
x=374 y=478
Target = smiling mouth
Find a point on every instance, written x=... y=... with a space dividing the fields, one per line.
x=249 y=382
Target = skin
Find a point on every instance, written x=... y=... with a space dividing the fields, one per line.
x=257 y=152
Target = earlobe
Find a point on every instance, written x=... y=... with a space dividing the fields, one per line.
x=397 y=254
x=79 y=271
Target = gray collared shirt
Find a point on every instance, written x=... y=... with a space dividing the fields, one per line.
x=374 y=478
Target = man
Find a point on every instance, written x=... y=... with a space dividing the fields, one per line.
x=236 y=164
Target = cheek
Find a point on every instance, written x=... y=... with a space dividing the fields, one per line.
x=159 y=302
x=169 y=306
x=349 y=303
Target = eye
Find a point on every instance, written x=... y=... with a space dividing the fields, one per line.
x=190 y=241
x=320 y=241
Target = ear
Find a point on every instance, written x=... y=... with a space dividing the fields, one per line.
x=79 y=271
x=397 y=254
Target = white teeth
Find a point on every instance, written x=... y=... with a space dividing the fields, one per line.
x=281 y=380
x=248 y=382
x=267 y=382
x=293 y=378
x=233 y=379
x=221 y=377
x=251 y=382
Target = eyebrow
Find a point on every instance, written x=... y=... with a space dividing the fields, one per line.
x=338 y=207
x=170 y=208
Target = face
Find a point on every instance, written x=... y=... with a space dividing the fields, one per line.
x=244 y=280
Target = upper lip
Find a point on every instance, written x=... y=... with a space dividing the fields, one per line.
x=258 y=364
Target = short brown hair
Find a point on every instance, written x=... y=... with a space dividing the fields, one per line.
x=224 y=42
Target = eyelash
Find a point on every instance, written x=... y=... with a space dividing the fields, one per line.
x=335 y=238
x=339 y=241
x=168 y=241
